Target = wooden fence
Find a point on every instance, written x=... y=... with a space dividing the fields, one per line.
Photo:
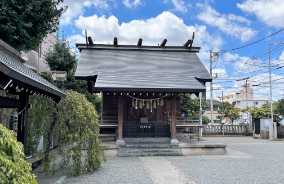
x=228 y=129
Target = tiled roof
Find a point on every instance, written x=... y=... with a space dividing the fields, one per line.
x=13 y=68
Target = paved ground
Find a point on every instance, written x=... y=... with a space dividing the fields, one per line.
x=248 y=161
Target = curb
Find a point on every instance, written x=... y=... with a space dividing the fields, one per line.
x=61 y=180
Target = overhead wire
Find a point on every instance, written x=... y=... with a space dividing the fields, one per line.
x=255 y=41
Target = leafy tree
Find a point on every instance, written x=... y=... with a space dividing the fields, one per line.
x=13 y=166
x=253 y=111
x=75 y=119
x=63 y=58
x=265 y=112
x=227 y=108
x=190 y=106
x=234 y=114
x=24 y=24
x=280 y=107
x=186 y=103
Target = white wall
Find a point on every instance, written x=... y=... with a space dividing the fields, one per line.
x=243 y=104
x=32 y=55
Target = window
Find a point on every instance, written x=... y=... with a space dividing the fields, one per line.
x=215 y=108
x=255 y=103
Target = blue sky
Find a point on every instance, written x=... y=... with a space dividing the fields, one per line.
x=218 y=25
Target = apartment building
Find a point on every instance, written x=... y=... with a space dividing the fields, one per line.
x=215 y=109
x=35 y=58
x=238 y=95
x=239 y=100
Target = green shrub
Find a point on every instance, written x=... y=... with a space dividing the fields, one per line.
x=205 y=120
x=246 y=131
x=13 y=167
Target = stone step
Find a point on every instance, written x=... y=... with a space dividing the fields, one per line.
x=148 y=140
x=147 y=150
x=149 y=145
x=149 y=154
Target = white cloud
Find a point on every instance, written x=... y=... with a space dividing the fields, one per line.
x=152 y=31
x=230 y=24
x=76 y=8
x=221 y=73
x=246 y=65
x=77 y=39
x=263 y=89
x=268 y=11
x=282 y=56
x=179 y=5
x=230 y=57
x=134 y=4
x=239 y=19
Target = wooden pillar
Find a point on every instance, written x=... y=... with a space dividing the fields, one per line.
x=173 y=127
x=23 y=122
x=120 y=121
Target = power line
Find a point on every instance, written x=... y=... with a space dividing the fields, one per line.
x=255 y=41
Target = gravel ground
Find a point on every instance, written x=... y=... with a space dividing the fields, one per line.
x=248 y=161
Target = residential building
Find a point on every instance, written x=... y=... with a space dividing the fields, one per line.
x=255 y=101
x=215 y=109
x=244 y=91
x=35 y=58
x=238 y=99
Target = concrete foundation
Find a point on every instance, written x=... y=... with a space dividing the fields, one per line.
x=110 y=148
x=186 y=146
x=193 y=147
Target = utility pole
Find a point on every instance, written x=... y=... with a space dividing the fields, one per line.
x=223 y=115
x=246 y=92
x=271 y=101
x=222 y=108
x=216 y=56
x=247 y=95
x=211 y=89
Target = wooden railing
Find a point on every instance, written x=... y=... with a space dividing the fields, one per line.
x=185 y=120
x=218 y=129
